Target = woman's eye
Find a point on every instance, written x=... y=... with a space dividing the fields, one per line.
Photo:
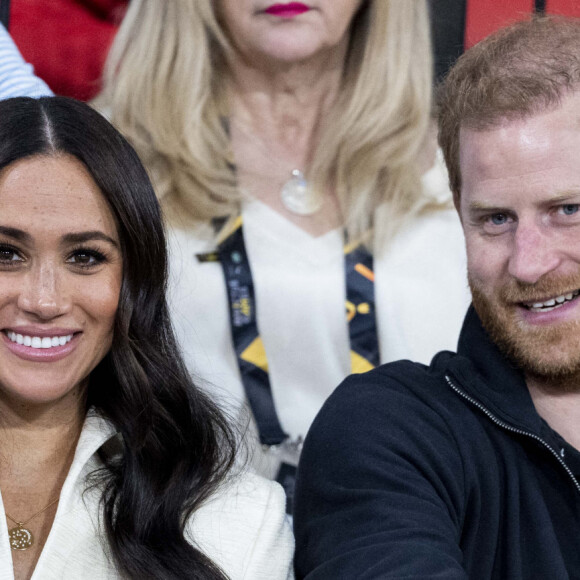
x=83 y=259
x=86 y=258
x=570 y=208
x=8 y=255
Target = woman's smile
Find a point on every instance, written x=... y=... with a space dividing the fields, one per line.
x=41 y=345
x=60 y=278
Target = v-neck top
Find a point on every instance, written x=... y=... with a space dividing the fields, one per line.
x=421 y=297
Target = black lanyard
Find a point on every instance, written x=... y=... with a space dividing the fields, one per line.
x=250 y=351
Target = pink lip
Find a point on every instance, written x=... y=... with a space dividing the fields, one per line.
x=290 y=10
x=560 y=314
x=42 y=332
x=52 y=354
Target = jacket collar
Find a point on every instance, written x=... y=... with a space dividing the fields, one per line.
x=96 y=432
x=484 y=373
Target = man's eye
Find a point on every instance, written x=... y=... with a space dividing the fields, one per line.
x=498 y=219
x=570 y=208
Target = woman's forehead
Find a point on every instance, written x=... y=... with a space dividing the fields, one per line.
x=53 y=193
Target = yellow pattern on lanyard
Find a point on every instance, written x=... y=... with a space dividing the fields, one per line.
x=250 y=351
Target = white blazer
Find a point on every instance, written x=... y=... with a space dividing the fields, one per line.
x=242 y=528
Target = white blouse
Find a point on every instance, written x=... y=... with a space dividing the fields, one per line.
x=421 y=297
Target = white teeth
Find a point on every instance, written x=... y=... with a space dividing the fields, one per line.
x=37 y=341
x=553 y=302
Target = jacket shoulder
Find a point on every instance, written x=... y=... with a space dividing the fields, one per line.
x=400 y=379
x=382 y=450
x=244 y=529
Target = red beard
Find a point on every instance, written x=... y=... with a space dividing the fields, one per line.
x=549 y=352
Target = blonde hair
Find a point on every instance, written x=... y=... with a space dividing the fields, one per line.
x=162 y=90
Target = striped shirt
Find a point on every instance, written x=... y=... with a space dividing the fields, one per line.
x=17 y=78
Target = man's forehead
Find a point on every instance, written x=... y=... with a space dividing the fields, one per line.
x=521 y=161
x=564 y=115
x=531 y=141
x=495 y=153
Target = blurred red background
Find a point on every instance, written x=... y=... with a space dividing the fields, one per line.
x=66 y=40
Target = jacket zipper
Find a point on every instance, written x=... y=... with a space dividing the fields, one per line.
x=508 y=427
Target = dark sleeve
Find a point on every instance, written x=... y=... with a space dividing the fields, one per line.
x=380 y=486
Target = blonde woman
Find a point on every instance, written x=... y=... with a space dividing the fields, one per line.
x=279 y=135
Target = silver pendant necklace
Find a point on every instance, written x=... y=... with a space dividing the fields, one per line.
x=299 y=197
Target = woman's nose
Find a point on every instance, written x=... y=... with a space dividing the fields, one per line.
x=43 y=292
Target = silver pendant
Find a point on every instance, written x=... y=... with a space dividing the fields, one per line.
x=298 y=197
x=20 y=538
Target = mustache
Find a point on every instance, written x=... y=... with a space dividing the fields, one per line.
x=548 y=286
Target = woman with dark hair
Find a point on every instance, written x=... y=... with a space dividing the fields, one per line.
x=112 y=463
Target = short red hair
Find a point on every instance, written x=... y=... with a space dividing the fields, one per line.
x=516 y=72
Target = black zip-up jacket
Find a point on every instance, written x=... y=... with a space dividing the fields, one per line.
x=444 y=471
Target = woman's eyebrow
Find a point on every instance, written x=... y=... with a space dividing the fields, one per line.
x=80 y=237
x=72 y=238
x=15 y=233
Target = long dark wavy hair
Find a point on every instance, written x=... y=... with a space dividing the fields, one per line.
x=176 y=445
